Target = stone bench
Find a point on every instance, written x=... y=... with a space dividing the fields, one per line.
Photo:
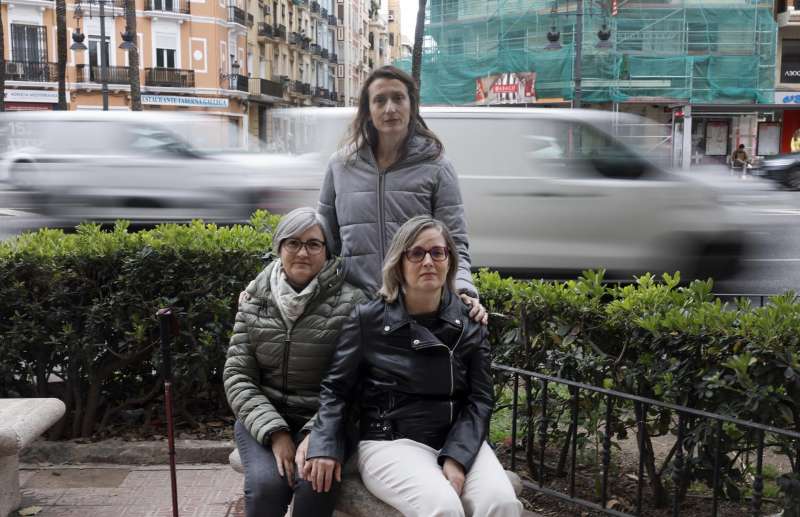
x=21 y=422
x=354 y=499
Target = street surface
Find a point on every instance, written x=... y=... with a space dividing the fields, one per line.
x=771 y=264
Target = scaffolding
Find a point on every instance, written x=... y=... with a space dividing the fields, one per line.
x=693 y=51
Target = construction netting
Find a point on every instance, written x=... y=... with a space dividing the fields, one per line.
x=498 y=51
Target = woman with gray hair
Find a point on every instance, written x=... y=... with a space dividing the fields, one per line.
x=418 y=367
x=283 y=339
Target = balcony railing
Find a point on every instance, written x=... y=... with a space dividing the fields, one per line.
x=333 y=96
x=316 y=49
x=237 y=15
x=332 y=19
x=265 y=30
x=115 y=74
x=323 y=13
x=171 y=77
x=168 y=6
x=334 y=58
x=314 y=7
x=300 y=87
x=325 y=53
x=320 y=92
x=31 y=71
x=295 y=39
x=238 y=82
x=280 y=32
x=265 y=87
x=250 y=21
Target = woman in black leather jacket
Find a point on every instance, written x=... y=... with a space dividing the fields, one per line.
x=418 y=368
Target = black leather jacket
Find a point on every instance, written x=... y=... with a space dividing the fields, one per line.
x=433 y=385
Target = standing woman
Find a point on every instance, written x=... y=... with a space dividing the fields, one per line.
x=392 y=169
x=419 y=369
x=282 y=343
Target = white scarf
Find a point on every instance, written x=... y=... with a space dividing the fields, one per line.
x=291 y=303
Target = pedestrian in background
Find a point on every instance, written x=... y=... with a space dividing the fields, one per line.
x=283 y=339
x=419 y=369
x=391 y=169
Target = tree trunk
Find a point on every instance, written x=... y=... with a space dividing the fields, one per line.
x=61 y=49
x=133 y=56
x=416 y=55
x=2 y=65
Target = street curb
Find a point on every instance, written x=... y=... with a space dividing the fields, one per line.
x=120 y=452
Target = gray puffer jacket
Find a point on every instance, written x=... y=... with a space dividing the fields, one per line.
x=272 y=374
x=365 y=206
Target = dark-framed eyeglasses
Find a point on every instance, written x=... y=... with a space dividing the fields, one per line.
x=417 y=253
x=312 y=246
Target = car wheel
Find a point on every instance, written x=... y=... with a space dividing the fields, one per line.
x=793 y=179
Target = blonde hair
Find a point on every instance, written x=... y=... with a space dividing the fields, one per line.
x=404 y=238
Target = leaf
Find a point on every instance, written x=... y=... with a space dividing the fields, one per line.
x=30 y=510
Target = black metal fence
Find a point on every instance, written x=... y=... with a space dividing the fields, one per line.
x=31 y=71
x=687 y=419
x=114 y=74
x=238 y=82
x=237 y=15
x=265 y=87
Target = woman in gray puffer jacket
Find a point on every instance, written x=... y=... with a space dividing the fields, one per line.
x=284 y=337
x=392 y=169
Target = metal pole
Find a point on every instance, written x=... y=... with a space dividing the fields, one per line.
x=576 y=67
x=686 y=159
x=103 y=54
x=167 y=325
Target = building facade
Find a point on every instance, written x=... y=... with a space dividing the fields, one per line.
x=236 y=59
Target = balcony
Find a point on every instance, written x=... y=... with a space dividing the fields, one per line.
x=334 y=96
x=31 y=71
x=115 y=74
x=265 y=87
x=315 y=8
x=300 y=88
x=167 y=6
x=280 y=32
x=237 y=15
x=238 y=82
x=301 y=3
x=334 y=58
x=251 y=21
x=324 y=14
x=295 y=39
x=265 y=31
x=316 y=49
x=169 y=77
x=332 y=20
x=325 y=54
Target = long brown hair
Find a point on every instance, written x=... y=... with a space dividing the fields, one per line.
x=362 y=132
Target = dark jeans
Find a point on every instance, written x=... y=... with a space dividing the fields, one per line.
x=266 y=493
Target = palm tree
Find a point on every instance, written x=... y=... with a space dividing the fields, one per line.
x=133 y=55
x=416 y=55
x=61 y=49
x=2 y=65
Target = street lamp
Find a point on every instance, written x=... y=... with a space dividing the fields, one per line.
x=78 y=45
x=231 y=77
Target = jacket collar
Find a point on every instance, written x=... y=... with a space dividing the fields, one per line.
x=420 y=149
x=396 y=316
x=329 y=278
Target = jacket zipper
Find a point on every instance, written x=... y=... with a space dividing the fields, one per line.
x=288 y=344
x=381 y=216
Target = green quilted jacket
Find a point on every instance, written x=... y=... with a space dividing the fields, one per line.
x=272 y=374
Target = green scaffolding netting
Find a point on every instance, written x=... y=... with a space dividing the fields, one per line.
x=698 y=51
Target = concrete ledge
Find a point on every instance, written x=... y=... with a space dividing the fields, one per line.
x=127 y=453
x=21 y=422
x=354 y=499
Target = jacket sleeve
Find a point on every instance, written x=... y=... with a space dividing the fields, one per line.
x=449 y=208
x=327 y=209
x=241 y=379
x=469 y=430
x=327 y=436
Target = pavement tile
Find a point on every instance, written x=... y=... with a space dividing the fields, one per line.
x=77 y=511
x=40 y=496
x=95 y=497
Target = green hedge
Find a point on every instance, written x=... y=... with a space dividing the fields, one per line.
x=80 y=308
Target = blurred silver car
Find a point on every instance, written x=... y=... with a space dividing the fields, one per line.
x=102 y=166
x=551 y=192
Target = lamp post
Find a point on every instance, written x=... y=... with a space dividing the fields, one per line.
x=235 y=67
x=553 y=36
x=78 y=45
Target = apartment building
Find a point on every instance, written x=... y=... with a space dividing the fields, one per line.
x=232 y=58
x=393 y=18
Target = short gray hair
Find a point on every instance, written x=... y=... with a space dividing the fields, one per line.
x=295 y=223
x=408 y=233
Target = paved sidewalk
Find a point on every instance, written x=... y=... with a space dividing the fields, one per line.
x=211 y=490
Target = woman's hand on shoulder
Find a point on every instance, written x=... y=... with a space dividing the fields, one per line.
x=321 y=471
x=283 y=450
x=454 y=473
x=477 y=311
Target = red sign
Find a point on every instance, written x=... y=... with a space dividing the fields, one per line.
x=28 y=106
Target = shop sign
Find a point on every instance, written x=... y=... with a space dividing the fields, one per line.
x=790 y=69
x=787 y=98
x=186 y=101
x=34 y=96
x=508 y=88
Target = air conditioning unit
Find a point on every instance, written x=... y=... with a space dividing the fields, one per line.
x=16 y=69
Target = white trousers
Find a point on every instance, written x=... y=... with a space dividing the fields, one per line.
x=405 y=474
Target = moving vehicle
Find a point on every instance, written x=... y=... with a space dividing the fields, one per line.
x=552 y=192
x=782 y=168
